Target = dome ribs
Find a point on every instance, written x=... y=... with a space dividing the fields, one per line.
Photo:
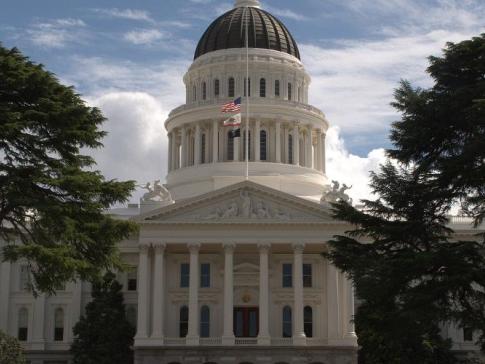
x=265 y=32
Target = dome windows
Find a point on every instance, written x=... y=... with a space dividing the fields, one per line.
x=216 y=88
x=290 y=91
x=231 y=86
x=277 y=88
x=262 y=87
x=204 y=91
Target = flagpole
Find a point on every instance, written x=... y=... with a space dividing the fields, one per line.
x=247 y=93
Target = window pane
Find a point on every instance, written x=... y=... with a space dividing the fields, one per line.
x=230 y=146
x=184 y=275
x=277 y=88
x=467 y=334
x=287 y=324
x=287 y=275
x=307 y=275
x=262 y=87
x=216 y=87
x=205 y=321
x=202 y=151
x=204 y=91
x=308 y=321
x=244 y=145
x=263 y=145
x=205 y=275
x=132 y=281
x=183 y=321
x=58 y=334
x=231 y=87
x=290 y=149
x=289 y=91
x=248 y=85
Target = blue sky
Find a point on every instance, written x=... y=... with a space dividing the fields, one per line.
x=129 y=58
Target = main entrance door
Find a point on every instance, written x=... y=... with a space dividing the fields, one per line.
x=246 y=321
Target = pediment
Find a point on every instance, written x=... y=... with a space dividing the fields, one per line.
x=245 y=202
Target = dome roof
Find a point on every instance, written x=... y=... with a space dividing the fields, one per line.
x=229 y=31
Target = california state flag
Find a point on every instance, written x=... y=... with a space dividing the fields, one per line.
x=234 y=120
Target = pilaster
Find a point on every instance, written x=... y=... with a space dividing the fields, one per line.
x=299 y=337
x=158 y=290
x=143 y=294
x=228 y=334
x=5 y=296
x=193 y=331
x=264 y=337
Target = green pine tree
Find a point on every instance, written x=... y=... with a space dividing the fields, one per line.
x=10 y=350
x=52 y=201
x=411 y=274
x=104 y=335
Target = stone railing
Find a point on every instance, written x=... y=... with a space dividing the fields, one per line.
x=281 y=341
x=246 y=341
x=253 y=102
x=210 y=341
x=174 y=341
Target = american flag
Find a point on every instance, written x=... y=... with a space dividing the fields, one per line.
x=233 y=106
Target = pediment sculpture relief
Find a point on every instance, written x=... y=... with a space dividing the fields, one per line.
x=247 y=207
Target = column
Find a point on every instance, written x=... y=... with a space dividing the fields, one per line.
x=5 y=296
x=318 y=153
x=236 y=143
x=38 y=330
x=257 y=141
x=228 y=334
x=264 y=337
x=333 y=303
x=197 y=151
x=174 y=151
x=184 y=148
x=76 y=304
x=215 y=141
x=143 y=293
x=193 y=332
x=296 y=144
x=350 y=309
x=278 y=142
x=158 y=290
x=170 y=159
x=309 y=141
x=322 y=153
x=299 y=337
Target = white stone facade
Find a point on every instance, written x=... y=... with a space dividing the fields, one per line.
x=232 y=271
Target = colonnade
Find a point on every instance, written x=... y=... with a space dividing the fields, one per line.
x=151 y=306
x=207 y=142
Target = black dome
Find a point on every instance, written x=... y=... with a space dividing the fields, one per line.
x=229 y=31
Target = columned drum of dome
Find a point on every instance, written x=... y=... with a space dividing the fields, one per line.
x=265 y=32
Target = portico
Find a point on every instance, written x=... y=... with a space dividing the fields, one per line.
x=245 y=272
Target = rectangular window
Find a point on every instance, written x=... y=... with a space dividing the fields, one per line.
x=307 y=275
x=131 y=281
x=467 y=334
x=248 y=85
x=22 y=334
x=277 y=88
x=59 y=334
x=205 y=275
x=24 y=278
x=184 y=275
x=287 y=275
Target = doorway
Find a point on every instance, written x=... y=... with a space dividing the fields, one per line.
x=246 y=321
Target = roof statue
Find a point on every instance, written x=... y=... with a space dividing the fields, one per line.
x=335 y=194
x=156 y=192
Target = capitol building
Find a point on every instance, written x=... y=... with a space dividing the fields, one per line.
x=227 y=267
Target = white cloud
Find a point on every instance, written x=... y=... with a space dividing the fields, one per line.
x=130 y=14
x=351 y=169
x=136 y=145
x=57 y=33
x=144 y=36
x=285 y=13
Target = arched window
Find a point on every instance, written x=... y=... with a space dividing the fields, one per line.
x=131 y=315
x=308 y=321
x=204 y=321
x=202 y=149
x=244 y=146
x=262 y=145
x=277 y=88
x=59 y=325
x=231 y=87
x=194 y=93
x=204 y=91
x=287 y=323
x=290 y=91
x=217 y=88
x=290 y=149
x=230 y=146
x=248 y=85
x=23 y=324
x=183 y=321
x=262 y=87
